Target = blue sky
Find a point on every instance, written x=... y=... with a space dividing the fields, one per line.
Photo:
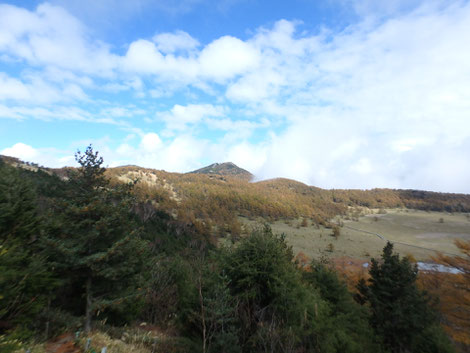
x=337 y=94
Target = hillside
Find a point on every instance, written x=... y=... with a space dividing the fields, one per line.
x=219 y=201
x=217 y=194
x=175 y=223
x=216 y=201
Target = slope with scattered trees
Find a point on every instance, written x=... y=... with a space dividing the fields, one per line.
x=94 y=253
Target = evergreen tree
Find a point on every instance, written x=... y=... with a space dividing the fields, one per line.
x=276 y=311
x=347 y=320
x=94 y=239
x=24 y=278
x=400 y=313
x=214 y=315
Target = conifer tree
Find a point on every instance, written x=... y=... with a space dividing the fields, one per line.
x=400 y=313
x=95 y=240
x=24 y=278
x=350 y=329
x=277 y=313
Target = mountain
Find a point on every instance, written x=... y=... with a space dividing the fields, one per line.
x=225 y=169
x=222 y=191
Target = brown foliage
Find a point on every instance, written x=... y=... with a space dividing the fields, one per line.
x=453 y=290
x=217 y=202
x=351 y=271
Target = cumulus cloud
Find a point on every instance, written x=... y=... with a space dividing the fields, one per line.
x=35 y=90
x=181 y=117
x=223 y=58
x=51 y=36
x=172 y=42
x=226 y=57
x=21 y=151
x=361 y=103
x=382 y=103
x=151 y=142
x=180 y=154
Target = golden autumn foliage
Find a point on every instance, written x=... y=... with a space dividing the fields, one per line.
x=213 y=203
x=219 y=200
x=453 y=291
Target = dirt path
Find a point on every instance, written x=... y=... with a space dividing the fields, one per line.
x=63 y=344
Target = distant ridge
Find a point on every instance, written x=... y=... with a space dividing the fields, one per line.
x=225 y=169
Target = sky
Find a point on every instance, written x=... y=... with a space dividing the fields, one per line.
x=332 y=93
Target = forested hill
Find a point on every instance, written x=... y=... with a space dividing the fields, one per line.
x=219 y=193
x=222 y=197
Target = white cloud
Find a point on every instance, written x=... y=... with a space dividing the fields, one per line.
x=151 y=142
x=51 y=36
x=223 y=58
x=361 y=102
x=183 y=153
x=180 y=117
x=172 y=42
x=11 y=88
x=227 y=57
x=247 y=156
x=36 y=90
x=180 y=154
x=21 y=151
x=143 y=56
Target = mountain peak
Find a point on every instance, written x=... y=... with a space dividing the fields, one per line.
x=225 y=169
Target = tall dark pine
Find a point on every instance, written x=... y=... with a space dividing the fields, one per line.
x=96 y=240
x=400 y=314
x=24 y=279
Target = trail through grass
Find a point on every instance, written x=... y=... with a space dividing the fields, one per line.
x=421 y=230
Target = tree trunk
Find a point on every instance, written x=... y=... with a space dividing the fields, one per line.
x=203 y=316
x=88 y=310
x=46 y=333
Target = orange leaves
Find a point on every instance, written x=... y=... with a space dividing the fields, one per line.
x=453 y=291
x=302 y=261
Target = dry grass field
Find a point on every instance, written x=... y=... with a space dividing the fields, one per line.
x=419 y=229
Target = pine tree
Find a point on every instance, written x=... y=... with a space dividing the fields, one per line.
x=400 y=313
x=276 y=311
x=24 y=278
x=350 y=330
x=94 y=240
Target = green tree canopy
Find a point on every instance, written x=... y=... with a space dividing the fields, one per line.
x=347 y=320
x=400 y=312
x=24 y=278
x=276 y=311
x=94 y=239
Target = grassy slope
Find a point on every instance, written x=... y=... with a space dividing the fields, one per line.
x=408 y=226
x=277 y=199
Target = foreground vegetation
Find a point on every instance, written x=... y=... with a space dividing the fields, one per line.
x=97 y=259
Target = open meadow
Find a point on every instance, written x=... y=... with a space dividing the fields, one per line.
x=417 y=233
